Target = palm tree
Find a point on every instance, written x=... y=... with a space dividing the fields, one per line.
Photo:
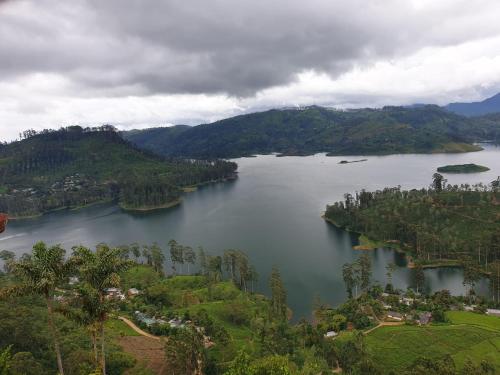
x=100 y=270
x=41 y=273
x=86 y=312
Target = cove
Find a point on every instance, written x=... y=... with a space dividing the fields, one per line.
x=273 y=212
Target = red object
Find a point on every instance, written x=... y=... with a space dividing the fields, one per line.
x=3 y=222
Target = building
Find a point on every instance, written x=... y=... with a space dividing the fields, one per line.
x=114 y=293
x=331 y=334
x=493 y=312
x=132 y=292
x=395 y=316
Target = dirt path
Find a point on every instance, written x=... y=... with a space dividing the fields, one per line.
x=137 y=329
x=146 y=348
x=383 y=324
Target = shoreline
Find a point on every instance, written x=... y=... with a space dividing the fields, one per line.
x=170 y=204
x=368 y=244
x=185 y=190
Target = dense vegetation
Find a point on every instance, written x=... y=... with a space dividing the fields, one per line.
x=463 y=168
x=74 y=166
x=443 y=224
x=315 y=129
x=50 y=324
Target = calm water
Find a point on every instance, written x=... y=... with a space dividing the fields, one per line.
x=273 y=213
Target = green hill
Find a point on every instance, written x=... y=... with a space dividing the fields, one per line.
x=310 y=130
x=74 y=166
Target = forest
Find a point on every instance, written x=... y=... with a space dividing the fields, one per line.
x=310 y=130
x=73 y=314
x=76 y=166
x=442 y=224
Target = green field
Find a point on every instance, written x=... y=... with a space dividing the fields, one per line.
x=468 y=336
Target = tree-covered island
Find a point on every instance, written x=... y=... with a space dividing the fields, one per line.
x=463 y=168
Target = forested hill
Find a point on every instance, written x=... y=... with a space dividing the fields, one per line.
x=75 y=166
x=315 y=129
x=438 y=224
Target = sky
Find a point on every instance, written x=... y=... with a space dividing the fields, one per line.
x=144 y=63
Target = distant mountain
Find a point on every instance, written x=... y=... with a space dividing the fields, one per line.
x=490 y=105
x=73 y=166
x=422 y=129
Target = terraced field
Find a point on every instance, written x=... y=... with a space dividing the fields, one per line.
x=468 y=335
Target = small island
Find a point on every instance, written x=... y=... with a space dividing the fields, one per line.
x=463 y=168
x=352 y=161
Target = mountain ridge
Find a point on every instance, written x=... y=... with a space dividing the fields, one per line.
x=314 y=129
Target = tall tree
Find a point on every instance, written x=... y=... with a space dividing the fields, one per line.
x=278 y=295
x=418 y=273
x=189 y=256
x=203 y=260
x=41 y=273
x=348 y=276
x=100 y=270
x=176 y=254
x=184 y=352
x=157 y=257
x=135 y=249
x=471 y=276
x=365 y=268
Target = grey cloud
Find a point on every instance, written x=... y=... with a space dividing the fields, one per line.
x=222 y=46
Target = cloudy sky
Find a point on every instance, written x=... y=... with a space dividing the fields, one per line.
x=139 y=63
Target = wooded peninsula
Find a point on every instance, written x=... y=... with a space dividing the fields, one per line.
x=75 y=166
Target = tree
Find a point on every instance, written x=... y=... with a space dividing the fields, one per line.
x=135 y=249
x=5 y=360
x=184 y=352
x=390 y=268
x=215 y=268
x=100 y=271
x=41 y=273
x=278 y=295
x=8 y=258
x=146 y=253
x=418 y=273
x=252 y=276
x=176 y=254
x=85 y=309
x=240 y=366
x=189 y=256
x=365 y=267
x=471 y=276
x=348 y=276
x=437 y=182
x=203 y=260
x=229 y=260
x=157 y=257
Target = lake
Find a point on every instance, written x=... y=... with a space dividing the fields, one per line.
x=273 y=212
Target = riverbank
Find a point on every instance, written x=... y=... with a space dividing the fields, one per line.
x=170 y=204
x=70 y=208
x=368 y=244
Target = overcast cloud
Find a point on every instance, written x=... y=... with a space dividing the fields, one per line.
x=139 y=63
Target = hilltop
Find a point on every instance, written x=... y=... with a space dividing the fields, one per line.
x=390 y=130
x=487 y=106
x=74 y=166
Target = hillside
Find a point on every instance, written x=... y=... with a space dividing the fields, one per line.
x=487 y=106
x=75 y=166
x=390 y=130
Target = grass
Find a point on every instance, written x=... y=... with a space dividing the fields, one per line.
x=468 y=336
x=115 y=327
